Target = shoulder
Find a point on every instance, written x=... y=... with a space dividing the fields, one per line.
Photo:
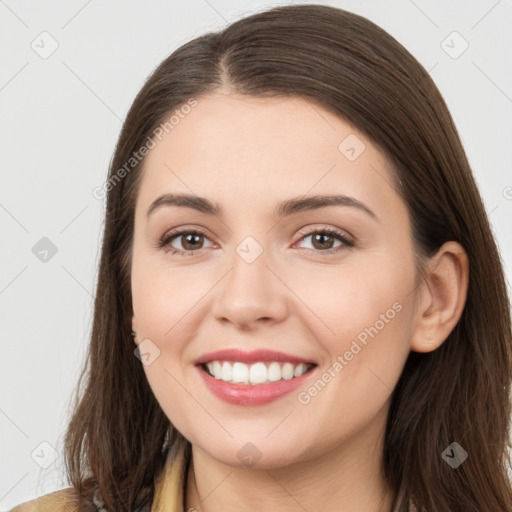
x=58 y=501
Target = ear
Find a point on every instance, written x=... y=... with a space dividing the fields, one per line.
x=442 y=297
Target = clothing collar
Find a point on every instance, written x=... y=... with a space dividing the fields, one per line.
x=170 y=487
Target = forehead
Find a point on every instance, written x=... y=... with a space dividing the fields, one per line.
x=233 y=146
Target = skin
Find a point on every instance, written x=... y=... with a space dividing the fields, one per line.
x=247 y=154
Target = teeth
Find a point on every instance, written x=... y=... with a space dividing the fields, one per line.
x=226 y=372
x=256 y=373
x=300 y=369
x=240 y=373
x=287 y=371
x=274 y=372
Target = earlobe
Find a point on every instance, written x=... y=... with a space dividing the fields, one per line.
x=443 y=296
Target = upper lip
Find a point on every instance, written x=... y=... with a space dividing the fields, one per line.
x=254 y=356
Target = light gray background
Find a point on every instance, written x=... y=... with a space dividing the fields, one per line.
x=60 y=118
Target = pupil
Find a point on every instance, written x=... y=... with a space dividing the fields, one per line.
x=187 y=238
x=323 y=235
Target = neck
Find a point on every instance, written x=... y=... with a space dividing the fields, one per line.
x=349 y=474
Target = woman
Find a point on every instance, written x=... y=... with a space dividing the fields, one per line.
x=367 y=370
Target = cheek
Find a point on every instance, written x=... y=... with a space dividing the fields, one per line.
x=367 y=342
x=355 y=301
x=163 y=297
x=363 y=320
x=162 y=301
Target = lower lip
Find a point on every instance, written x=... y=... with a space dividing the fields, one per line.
x=247 y=394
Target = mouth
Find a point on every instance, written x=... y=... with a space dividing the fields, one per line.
x=253 y=378
x=256 y=373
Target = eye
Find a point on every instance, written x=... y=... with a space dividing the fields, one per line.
x=191 y=241
x=323 y=240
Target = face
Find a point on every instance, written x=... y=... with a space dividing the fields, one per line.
x=246 y=278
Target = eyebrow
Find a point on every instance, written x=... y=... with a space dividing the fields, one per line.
x=283 y=209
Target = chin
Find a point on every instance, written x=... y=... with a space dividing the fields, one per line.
x=260 y=453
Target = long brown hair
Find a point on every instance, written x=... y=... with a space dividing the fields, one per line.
x=118 y=437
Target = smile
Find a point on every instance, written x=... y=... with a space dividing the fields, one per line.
x=255 y=374
x=253 y=377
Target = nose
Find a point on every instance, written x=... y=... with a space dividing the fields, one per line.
x=251 y=293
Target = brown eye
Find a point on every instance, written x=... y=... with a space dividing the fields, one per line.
x=191 y=241
x=323 y=240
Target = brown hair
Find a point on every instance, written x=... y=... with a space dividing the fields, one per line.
x=118 y=436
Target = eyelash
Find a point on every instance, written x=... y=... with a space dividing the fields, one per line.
x=169 y=237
